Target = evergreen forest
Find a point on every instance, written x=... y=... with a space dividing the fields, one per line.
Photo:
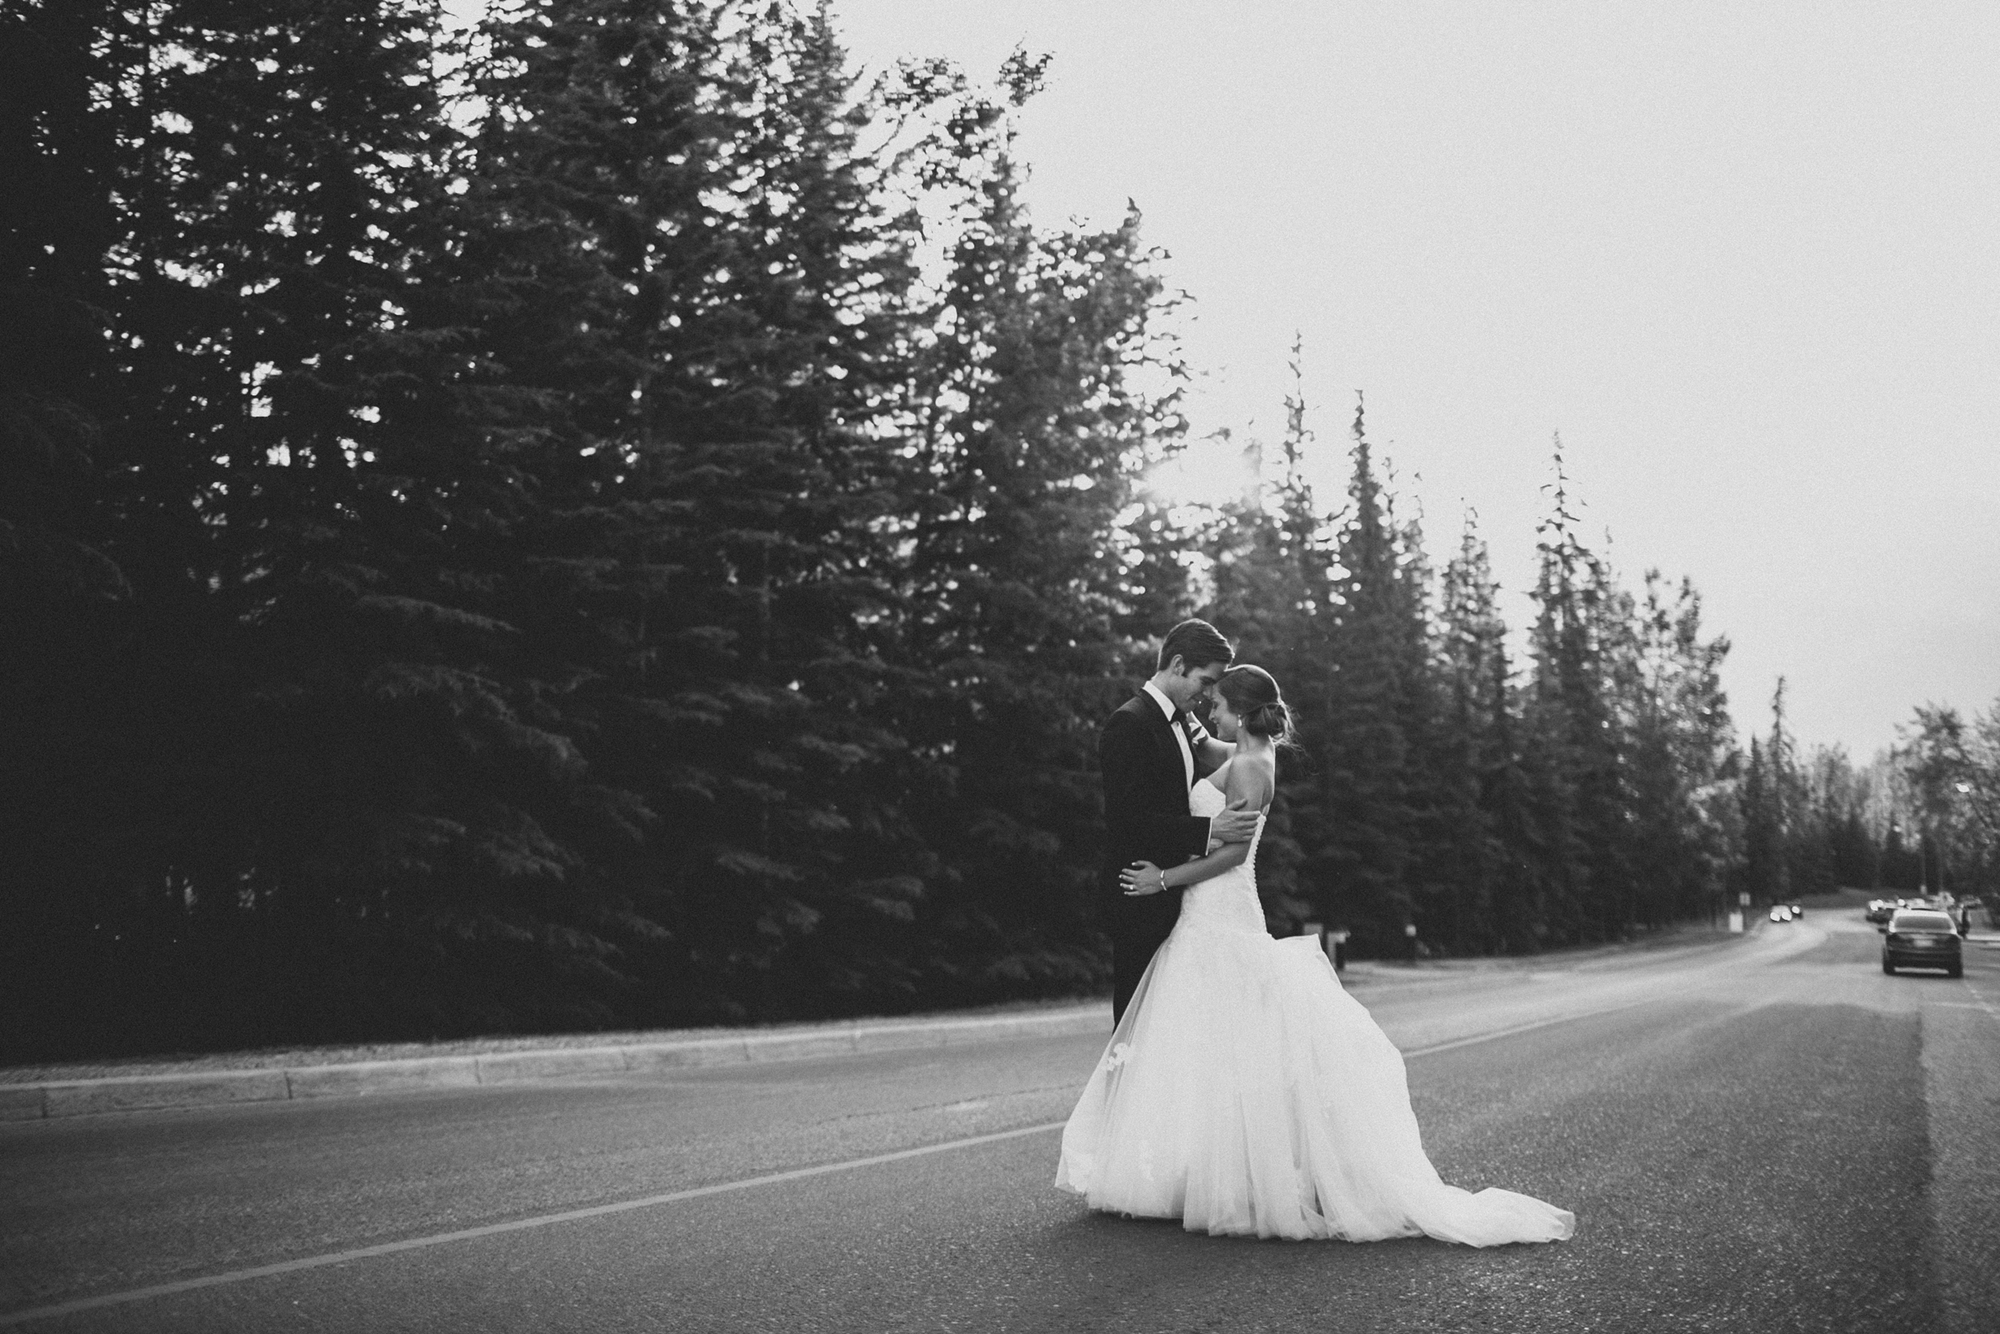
x=615 y=518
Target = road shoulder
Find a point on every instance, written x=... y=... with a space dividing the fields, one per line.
x=198 y=1086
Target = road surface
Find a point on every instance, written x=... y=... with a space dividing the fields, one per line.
x=1761 y=1135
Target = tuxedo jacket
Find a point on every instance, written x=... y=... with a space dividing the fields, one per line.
x=1146 y=819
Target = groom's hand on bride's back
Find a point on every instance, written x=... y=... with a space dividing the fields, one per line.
x=1233 y=826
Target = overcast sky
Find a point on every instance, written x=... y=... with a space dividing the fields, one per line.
x=1744 y=258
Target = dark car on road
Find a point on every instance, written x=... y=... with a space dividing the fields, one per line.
x=1922 y=938
x=1880 y=910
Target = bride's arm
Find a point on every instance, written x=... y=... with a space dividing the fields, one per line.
x=1210 y=754
x=1204 y=868
x=1249 y=788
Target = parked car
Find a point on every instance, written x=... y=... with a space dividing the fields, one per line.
x=1922 y=938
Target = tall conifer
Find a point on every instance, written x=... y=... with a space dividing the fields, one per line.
x=1367 y=760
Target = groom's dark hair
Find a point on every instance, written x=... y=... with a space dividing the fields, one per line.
x=1196 y=643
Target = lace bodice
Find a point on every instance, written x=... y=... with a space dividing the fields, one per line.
x=1230 y=899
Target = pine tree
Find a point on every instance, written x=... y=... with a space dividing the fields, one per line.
x=1781 y=768
x=1367 y=765
x=1674 y=715
x=266 y=194
x=1470 y=757
x=65 y=598
x=1028 y=423
x=1269 y=558
x=1763 y=846
x=706 y=281
x=1574 y=744
x=1524 y=882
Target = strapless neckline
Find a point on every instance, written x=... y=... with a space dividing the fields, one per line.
x=1205 y=798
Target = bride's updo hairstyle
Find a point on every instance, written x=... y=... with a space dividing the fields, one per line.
x=1253 y=697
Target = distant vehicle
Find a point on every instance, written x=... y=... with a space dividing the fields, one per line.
x=1780 y=913
x=1798 y=911
x=1922 y=938
x=1880 y=910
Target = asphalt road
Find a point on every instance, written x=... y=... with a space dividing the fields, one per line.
x=1763 y=1135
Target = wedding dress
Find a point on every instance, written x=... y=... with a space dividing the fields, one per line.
x=1247 y=1094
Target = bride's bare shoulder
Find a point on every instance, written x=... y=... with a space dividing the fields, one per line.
x=1251 y=780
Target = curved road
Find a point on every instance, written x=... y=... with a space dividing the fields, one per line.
x=1765 y=1134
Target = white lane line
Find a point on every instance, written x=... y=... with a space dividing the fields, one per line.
x=518 y=1225
x=646 y=1202
x=1456 y=1043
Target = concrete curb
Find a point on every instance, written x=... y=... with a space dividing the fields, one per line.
x=209 y=1088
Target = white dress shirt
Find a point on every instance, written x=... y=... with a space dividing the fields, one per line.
x=1180 y=733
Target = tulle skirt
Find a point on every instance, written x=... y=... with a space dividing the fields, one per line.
x=1247 y=1094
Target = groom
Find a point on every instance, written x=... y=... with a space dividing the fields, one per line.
x=1146 y=754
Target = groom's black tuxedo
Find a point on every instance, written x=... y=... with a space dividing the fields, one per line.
x=1146 y=819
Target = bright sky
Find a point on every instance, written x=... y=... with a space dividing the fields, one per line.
x=1744 y=258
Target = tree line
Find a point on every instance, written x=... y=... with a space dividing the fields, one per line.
x=1921 y=818
x=615 y=518
x=1580 y=795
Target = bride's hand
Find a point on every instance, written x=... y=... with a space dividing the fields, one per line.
x=1142 y=878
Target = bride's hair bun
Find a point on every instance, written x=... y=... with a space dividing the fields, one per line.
x=1272 y=719
x=1253 y=697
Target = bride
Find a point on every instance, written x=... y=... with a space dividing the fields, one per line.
x=1244 y=1092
